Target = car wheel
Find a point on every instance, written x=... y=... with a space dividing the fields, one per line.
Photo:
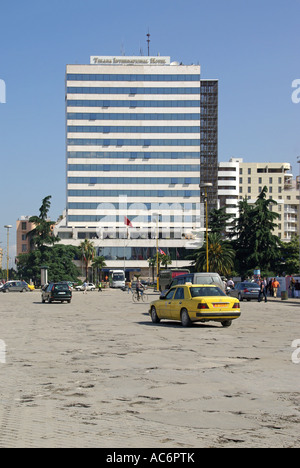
x=185 y=318
x=227 y=323
x=49 y=300
x=154 y=316
x=241 y=299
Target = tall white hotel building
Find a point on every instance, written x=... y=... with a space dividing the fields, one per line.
x=142 y=133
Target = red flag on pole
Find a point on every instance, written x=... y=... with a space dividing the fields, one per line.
x=127 y=222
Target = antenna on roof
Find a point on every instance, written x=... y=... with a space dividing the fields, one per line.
x=148 y=40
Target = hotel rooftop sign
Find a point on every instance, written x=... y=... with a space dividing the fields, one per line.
x=96 y=60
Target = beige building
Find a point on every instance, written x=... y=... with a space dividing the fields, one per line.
x=238 y=180
x=23 y=240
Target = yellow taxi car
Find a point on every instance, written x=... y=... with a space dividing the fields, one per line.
x=196 y=303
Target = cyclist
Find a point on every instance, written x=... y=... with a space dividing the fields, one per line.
x=139 y=289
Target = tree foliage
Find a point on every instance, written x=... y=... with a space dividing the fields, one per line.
x=218 y=220
x=42 y=234
x=254 y=240
x=87 y=254
x=58 y=258
x=220 y=255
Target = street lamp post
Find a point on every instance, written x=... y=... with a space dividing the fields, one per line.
x=206 y=186
x=8 y=227
x=157 y=215
x=298 y=160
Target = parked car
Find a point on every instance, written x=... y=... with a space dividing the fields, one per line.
x=90 y=287
x=195 y=303
x=197 y=278
x=59 y=292
x=15 y=286
x=245 y=290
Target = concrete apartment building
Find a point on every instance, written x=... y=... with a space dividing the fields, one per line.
x=237 y=180
x=142 y=134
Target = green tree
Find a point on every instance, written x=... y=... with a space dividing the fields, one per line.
x=59 y=259
x=98 y=265
x=87 y=254
x=42 y=234
x=290 y=253
x=220 y=254
x=166 y=260
x=254 y=239
x=218 y=221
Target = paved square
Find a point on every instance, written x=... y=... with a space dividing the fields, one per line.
x=97 y=373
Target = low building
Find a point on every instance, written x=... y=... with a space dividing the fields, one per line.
x=24 y=227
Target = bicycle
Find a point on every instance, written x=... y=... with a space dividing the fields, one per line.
x=139 y=297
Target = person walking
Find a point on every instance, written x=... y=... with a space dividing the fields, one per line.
x=85 y=285
x=275 y=286
x=263 y=285
x=129 y=286
x=292 y=287
x=297 y=289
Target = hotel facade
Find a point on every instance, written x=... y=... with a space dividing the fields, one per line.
x=141 y=137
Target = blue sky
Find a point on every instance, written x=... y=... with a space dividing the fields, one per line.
x=251 y=47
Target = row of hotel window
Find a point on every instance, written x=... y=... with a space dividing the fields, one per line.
x=133 y=155
x=132 y=208
x=113 y=116
x=134 y=180
x=130 y=77
x=99 y=218
x=131 y=142
x=131 y=129
x=131 y=104
x=134 y=168
x=134 y=193
x=250 y=189
x=131 y=91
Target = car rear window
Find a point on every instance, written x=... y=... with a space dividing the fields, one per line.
x=61 y=287
x=250 y=285
x=203 y=291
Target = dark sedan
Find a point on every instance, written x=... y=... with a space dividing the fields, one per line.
x=246 y=291
x=58 y=292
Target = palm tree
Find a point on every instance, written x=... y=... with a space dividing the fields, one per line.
x=166 y=260
x=221 y=256
x=87 y=250
x=98 y=264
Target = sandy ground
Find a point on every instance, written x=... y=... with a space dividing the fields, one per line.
x=97 y=373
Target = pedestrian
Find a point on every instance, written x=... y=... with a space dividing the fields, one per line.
x=292 y=287
x=275 y=286
x=263 y=285
x=297 y=289
x=270 y=287
x=85 y=285
x=100 y=286
x=129 y=285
